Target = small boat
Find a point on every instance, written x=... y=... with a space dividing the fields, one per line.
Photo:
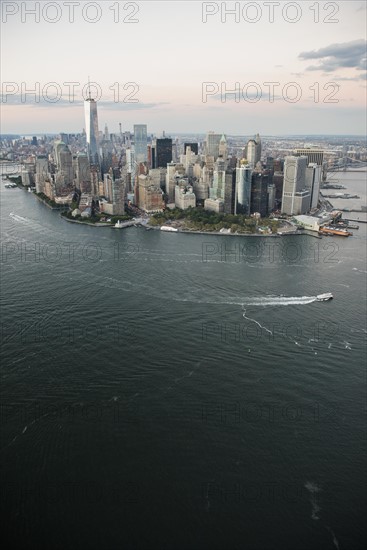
x=169 y=228
x=119 y=224
x=324 y=297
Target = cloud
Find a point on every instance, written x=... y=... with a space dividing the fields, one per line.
x=331 y=58
x=357 y=78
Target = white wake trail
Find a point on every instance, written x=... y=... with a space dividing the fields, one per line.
x=257 y=322
x=279 y=301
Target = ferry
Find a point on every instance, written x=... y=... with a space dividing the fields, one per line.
x=327 y=230
x=325 y=297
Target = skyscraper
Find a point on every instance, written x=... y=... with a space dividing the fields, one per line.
x=313 y=155
x=140 y=143
x=296 y=198
x=243 y=189
x=194 y=147
x=163 y=152
x=91 y=126
x=82 y=172
x=259 y=193
x=258 y=147
x=212 y=142
x=251 y=153
x=313 y=179
x=254 y=151
x=222 y=149
x=64 y=165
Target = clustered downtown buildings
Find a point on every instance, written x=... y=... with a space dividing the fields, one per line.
x=104 y=171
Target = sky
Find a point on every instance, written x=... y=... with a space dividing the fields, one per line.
x=169 y=64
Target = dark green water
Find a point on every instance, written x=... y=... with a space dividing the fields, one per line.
x=151 y=399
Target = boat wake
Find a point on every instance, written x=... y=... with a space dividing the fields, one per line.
x=313 y=489
x=256 y=322
x=279 y=301
x=17 y=218
x=264 y=301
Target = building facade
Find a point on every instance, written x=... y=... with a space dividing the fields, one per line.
x=92 y=132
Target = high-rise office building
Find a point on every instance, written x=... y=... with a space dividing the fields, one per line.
x=216 y=191
x=118 y=196
x=42 y=173
x=131 y=165
x=212 y=142
x=314 y=155
x=194 y=147
x=222 y=149
x=163 y=152
x=140 y=143
x=229 y=190
x=251 y=153
x=150 y=196
x=296 y=198
x=258 y=147
x=82 y=175
x=64 y=165
x=313 y=180
x=259 y=193
x=254 y=151
x=92 y=132
x=270 y=163
x=271 y=197
x=64 y=138
x=243 y=189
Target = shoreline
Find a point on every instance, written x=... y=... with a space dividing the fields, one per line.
x=274 y=235
x=185 y=231
x=57 y=208
x=87 y=223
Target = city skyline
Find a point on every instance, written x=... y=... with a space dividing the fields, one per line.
x=172 y=95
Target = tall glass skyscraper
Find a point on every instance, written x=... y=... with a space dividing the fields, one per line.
x=140 y=143
x=243 y=190
x=91 y=128
x=163 y=152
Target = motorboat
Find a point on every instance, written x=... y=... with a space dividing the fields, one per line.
x=324 y=297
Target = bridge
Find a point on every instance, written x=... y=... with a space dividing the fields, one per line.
x=348 y=166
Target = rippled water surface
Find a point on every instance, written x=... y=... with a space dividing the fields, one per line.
x=180 y=391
